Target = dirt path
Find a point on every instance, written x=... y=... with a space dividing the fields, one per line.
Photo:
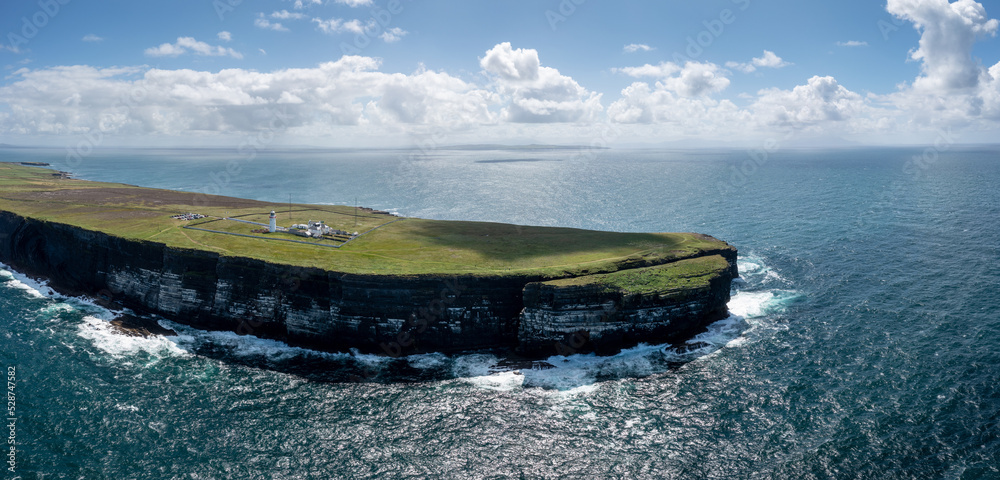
x=163 y=231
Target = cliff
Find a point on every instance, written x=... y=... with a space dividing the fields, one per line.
x=382 y=314
x=664 y=293
x=665 y=303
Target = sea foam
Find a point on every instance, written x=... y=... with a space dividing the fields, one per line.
x=25 y=283
x=108 y=339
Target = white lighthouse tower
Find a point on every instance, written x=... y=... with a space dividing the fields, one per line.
x=274 y=222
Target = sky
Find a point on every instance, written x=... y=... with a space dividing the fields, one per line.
x=363 y=73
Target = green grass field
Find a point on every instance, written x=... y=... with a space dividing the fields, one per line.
x=665 y=280
x=410 y=246
x=334 y=217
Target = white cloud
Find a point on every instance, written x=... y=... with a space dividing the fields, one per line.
x=165 y=50
x=510 y=64
x=990 y=94
x=188 y=44
x=90 y=37
x=354 y=26
x=225 y=36
x=393 y=34
x=693 y=79
x=537 y=94
x=300 y=4
x=767 y=60
x=262 y=51
x=679 y=97
x=659 y=104
x=263 y=22
x=521 y=97
x=286 y=15
x=636 y=47
x=821 y=106
x=947 y=34
x=852 y=43
x=664 y=69
x=349 y=92
x=953 y=90
x=339 y=25
x=698 y=79
x=743 y=67
x=820 y=101
x=770 y=60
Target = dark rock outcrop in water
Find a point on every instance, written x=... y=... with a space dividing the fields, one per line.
x=332 y=311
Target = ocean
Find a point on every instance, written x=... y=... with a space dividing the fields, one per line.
x=864 y=340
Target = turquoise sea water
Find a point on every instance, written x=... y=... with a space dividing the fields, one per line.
x=865 y=340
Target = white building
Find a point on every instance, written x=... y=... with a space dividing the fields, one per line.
x=314 y=229
x=274 y=223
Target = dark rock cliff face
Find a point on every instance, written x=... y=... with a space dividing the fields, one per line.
x=335 y=311
x=586 y=318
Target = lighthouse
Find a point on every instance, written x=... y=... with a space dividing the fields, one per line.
x=274 y=223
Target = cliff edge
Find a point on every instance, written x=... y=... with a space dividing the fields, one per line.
x=401 y=286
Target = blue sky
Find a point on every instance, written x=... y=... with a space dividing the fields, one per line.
x=553 y=71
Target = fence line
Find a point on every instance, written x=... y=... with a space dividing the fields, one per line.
x=265 y=238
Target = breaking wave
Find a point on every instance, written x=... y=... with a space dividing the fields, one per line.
x=750 y=307
x=22 y=282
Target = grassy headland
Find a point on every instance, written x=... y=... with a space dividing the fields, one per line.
x=666 y=280
x=410 y=246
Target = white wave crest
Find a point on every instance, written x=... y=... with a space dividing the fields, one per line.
x=501 y=382
x=116 y=344
x=753 y=268
x=427 y=360
x=754 y=304
x=20 y=281
x=188 y=339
